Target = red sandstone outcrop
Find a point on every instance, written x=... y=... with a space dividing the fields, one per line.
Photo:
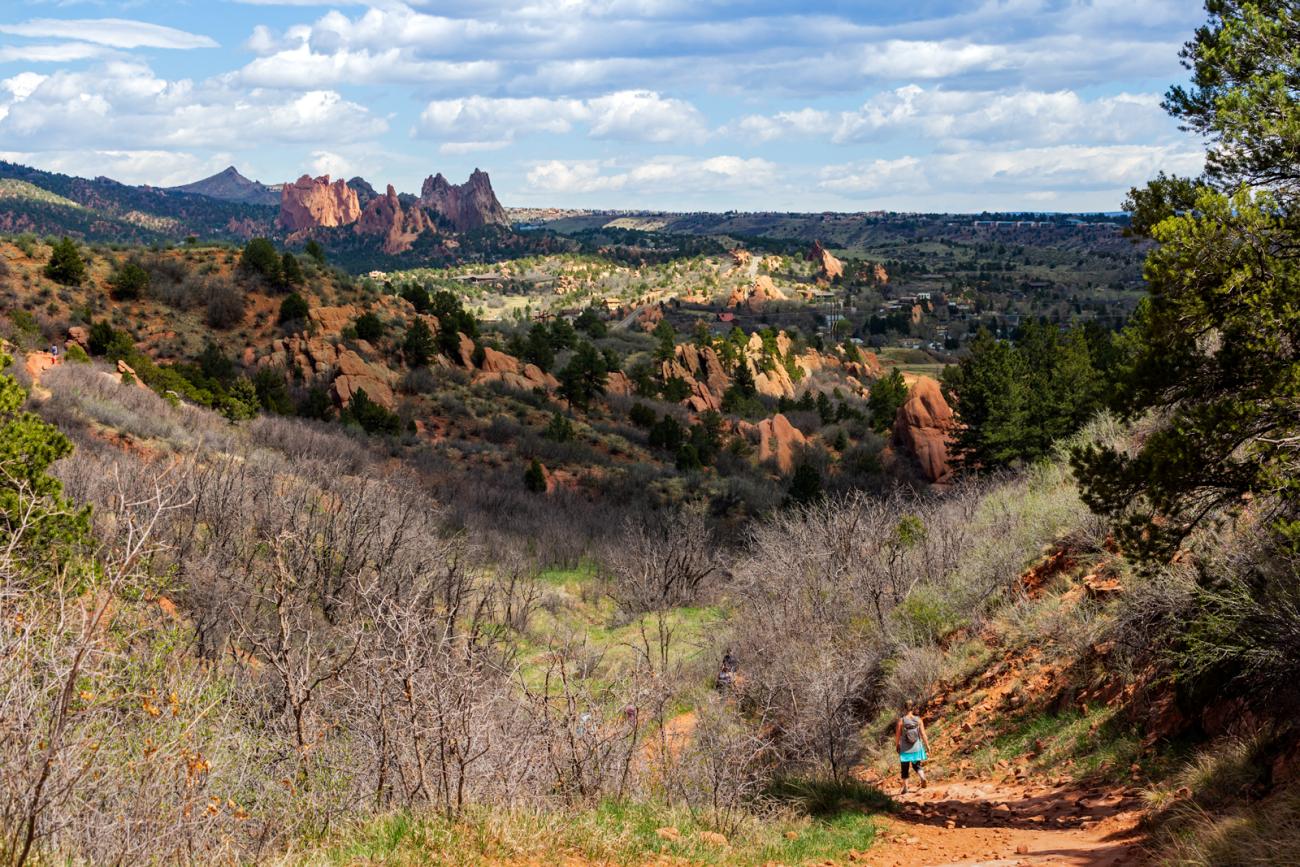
x=355 y=374
x=828 y=267
x=618 y=383
x=311 y=202
x=923 y=429
x=470 y=205
x=37 y=363
x=763 y=291
x=776 y=438
x=332 y=320
x=321 y=363
x=501 y=367
x=754 y=297
x=385 y=217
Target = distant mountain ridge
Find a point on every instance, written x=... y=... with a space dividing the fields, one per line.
x=104 y=210
x=231 y=186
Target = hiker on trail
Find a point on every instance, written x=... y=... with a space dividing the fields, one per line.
x=727 y=673
x=912 y=743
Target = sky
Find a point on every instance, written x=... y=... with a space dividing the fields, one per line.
x=683 y=105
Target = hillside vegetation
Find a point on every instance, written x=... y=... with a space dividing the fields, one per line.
x=301 y=568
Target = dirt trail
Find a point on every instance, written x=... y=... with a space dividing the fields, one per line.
x=982 y=823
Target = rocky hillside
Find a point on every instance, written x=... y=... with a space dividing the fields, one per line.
x=761 y=407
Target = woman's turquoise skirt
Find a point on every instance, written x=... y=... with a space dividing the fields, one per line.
x=915 y=754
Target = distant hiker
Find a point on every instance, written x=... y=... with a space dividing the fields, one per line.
x=727 y=673
x=912 y=743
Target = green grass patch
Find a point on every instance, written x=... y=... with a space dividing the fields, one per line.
x=810 y=822
x=1099 y=744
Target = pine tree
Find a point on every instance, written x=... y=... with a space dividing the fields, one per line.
x=535 y=477
x=418 y=347
x=260 y=258
x=66 y=265
x=583 y=379
x=1213 y=349
x=128 y=282
x=887 y=395
x=290 y=270
x=45 y=528
x=990 y=395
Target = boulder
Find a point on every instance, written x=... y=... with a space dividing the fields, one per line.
x=923 y=429
x=332 y=320
x=496 y=361
x=309 y=202
x=649 y=318
x=470 y=205
x=124 y=370
x=79 y=335
x=39 y=362
x=355 y=374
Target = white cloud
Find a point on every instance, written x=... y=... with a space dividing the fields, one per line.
x=124 y=106
x=114 y=32
x=300 y=66
x=63 y=52
x=659 y=175
x=474 y=122
x=643 y=115
x=332 y=164
x=954 y=119
x=907 y=59
x=1003 y=171
x=496 y=122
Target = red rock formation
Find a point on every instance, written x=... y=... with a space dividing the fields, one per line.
x=828 y=266
x=777 y=440
x=763 y=291
x=469 y=206
x=618 y=383
x=39 y=362
x=923 y=428
x=308 y=203
x=385 y=218
x=357 y=375
x=332 y=320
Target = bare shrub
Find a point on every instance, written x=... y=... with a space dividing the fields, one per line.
x=663 y=560
x=226 y=302
x=726 y=766
x=913 y=676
